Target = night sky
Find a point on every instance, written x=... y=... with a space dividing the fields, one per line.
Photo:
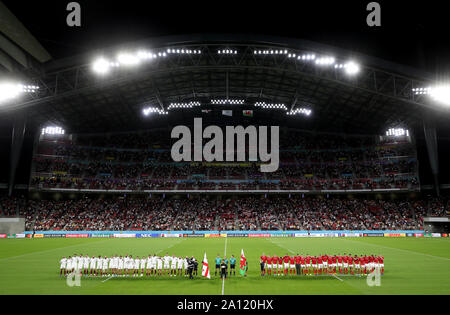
x=412 y=33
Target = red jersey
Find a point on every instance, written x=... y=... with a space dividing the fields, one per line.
x=345 y=259
x=362 y=261
x=302 y=260
x=275 y=259
x=380 y=260
x=280 y=260
x=350 y=260
x=298 y=259
x=330 y=261
x=292 y=260
x=286 y=259
x=319 y=260
x=356 y=260
x=339 y=259
x=269 y=260
x=308 y=259
x=314 y=260
x=334 y=259
x=264 y=258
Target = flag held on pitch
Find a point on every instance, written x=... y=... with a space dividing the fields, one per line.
x=205 y=269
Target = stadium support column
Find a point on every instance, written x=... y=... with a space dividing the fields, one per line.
x=18 y=134
x=431 y=142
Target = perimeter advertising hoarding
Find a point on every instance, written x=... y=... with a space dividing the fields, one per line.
x=259 y=235
x=3 y=235
x=216 y=235
x=146 y=235
x=374 y=235
x=73 y=235
x=171 y=235
x=101 y=235
x=194 y=235
x=54 y=235
x=238 y=235
x=20 y=235
x=125 y=235
x=418 y=234
x=38 y=236
x=435 y=234
x=394 y=234
x=280 y=235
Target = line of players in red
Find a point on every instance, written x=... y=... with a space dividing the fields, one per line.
x=346 y=264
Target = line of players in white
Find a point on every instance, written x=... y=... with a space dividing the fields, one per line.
x=124 y=266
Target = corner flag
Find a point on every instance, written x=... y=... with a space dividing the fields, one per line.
x=205 y=270
x=243 y=268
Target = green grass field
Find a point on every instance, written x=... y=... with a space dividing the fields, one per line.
x=412 y=266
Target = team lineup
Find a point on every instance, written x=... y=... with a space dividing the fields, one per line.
x=345 y=264
x=153 y=265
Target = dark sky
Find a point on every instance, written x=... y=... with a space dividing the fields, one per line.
x=412 y=33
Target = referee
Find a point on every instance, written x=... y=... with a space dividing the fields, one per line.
x=218 y=262
x=233 y=265
x=223 y=270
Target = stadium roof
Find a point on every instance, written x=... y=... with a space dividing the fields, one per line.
x=201 y=68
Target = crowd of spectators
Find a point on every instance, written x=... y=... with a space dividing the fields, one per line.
x=240 y=213
x=141 y=161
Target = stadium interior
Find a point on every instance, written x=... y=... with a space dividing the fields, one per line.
x=87 y=144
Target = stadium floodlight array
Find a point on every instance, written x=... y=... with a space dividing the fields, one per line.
x=184 y=105
x=227 y=52
x=397 y=132
x=52 y=131
x=421 y=91
x=103 y=66
x=270 y=52
x=10 y=91
x=150 y=110
x=183 y=51
x=300 y=111
x=350 y=67
x=325 y=61
x=439 y=93
x=304 y=57
x=227 y=102
x=270 y=105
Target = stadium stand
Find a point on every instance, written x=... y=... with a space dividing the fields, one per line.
x=142 y=161
x=243 y=213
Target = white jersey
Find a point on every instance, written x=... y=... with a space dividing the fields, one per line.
x=167 y=260
x=159 y=262
x=105 y=263
x=120 y=263
x=143 y=261
x=86 y=262
x=80 y=263
x=180 y=263
x=154 y=260
x=136 y=263
x=185 y=263
x=93 y=261
x=63 y=263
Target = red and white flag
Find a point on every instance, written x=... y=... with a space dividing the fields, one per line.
x=205 y=270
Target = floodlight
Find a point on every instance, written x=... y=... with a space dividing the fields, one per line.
x=9 y=91
x=352 y=68
x=128 y=59
x=101 y=66
x=441 y=94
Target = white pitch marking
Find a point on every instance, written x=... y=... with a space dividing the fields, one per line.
x=107 y=279
x=338 y=278
x=223 y=280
